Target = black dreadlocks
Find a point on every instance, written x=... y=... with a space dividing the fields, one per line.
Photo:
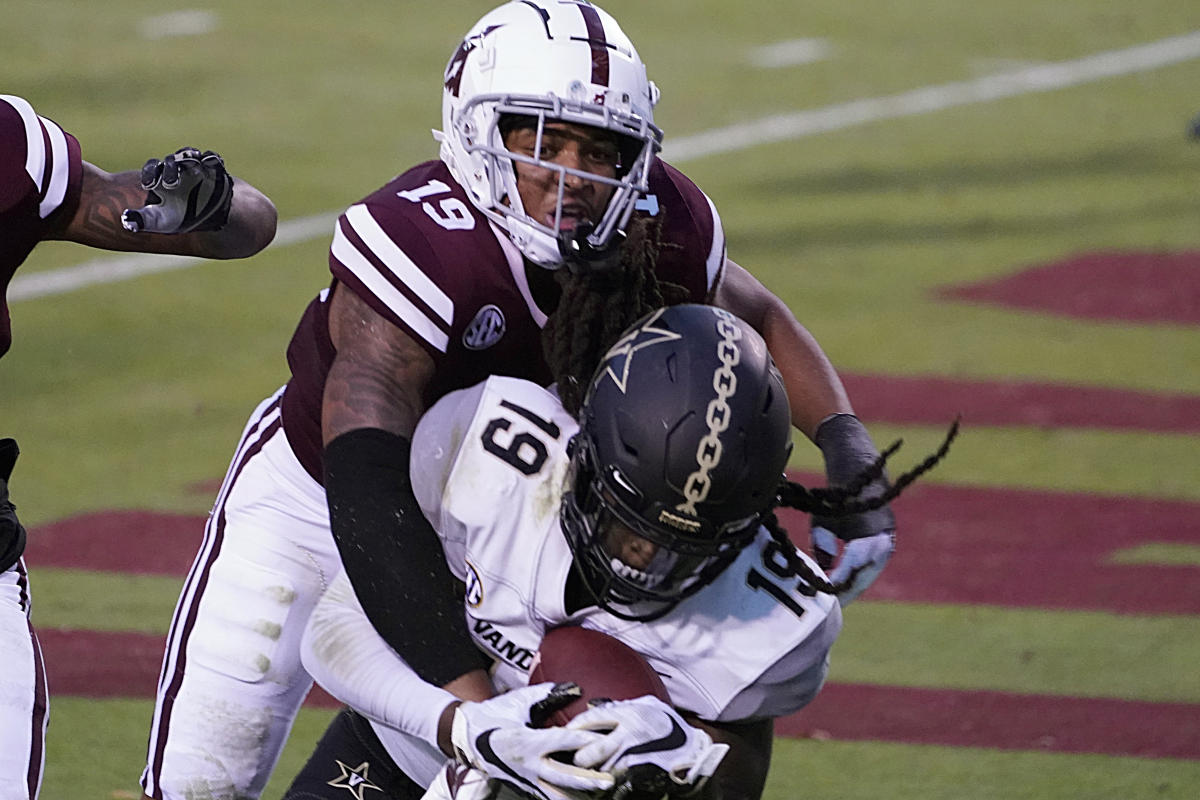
x=596 y=307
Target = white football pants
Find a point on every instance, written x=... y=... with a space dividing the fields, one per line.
x=23 y=709
x=232 y=681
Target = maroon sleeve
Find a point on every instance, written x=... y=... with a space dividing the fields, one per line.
x=413 y=251
x=41 y=172
x=691 y=226
x=40 y=164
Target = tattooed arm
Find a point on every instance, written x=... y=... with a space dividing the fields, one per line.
x=374 y=395
x=97 y=220
x=814 y=389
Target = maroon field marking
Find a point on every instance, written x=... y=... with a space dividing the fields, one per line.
x=136 y=542
x=999 y=720
x=113 y=664
x=937 y=401
x=1032 y=549
x=95 y=664
x=956 y=545
x=1141 y=287
x=1016 y=548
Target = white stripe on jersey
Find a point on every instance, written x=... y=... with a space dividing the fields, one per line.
x=364 y=224
x=716 y=256
x=35 y=150
x=36 y=156
x=350 y=256
x=60 y=172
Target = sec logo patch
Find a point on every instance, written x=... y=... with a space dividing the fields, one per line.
x=474 y=587
x=485 y=329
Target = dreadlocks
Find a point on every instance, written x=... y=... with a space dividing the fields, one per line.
x=838 y=501
x=597 y=306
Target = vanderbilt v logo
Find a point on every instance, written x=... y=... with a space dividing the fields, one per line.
x=354 y=780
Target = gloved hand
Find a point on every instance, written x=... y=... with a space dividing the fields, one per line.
x=494 y=736
x=647 y=747
x=849 y=453
x=12 y=535
x=861 y=563
x=186 y=191
x=458 y=782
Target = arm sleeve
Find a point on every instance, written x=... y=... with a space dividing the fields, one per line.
x=344 y=654
x=393 y=557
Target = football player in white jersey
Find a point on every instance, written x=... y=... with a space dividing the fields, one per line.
x=186 y=204
x=546 y=226
x=650 y=520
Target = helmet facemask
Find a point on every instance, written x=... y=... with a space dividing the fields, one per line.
x=600 y=499
x=547 y=244
x=684 y=435
x=550 y=62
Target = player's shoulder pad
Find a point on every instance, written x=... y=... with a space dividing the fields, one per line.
x=14 y=179
x=472 y=439
x=413 y=250
x=691 y=224
x=451 y=430
x=39 y=161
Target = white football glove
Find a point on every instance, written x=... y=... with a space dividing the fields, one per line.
x=186 y=191
x=646 y=733
x=458 y=782
x=861 y=563
x=494 y=736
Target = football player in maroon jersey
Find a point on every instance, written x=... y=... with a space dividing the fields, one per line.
x=546 y=226
x=186 y=204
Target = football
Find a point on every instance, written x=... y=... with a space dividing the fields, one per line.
x=603 y=666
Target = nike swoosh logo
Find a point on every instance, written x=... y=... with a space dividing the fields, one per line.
x=483 y=746
x=676 y=738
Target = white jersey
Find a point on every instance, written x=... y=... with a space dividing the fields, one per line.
x=488 y=468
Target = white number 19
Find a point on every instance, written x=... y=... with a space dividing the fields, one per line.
x=451 y=213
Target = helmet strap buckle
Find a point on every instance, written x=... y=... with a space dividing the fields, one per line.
x=581 y=256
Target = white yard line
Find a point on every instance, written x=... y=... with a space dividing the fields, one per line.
x=718 y=141
x=132 y=265
x=188 y=22
x=1028 y=80
x=791 y=53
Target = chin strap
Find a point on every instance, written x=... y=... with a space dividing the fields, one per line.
x=581 y=257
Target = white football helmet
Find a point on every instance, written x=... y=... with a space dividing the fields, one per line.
x=550 y=60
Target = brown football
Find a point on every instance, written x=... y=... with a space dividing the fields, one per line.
x=603 y=666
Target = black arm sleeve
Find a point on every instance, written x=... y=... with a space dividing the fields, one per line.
x=12 y=535
x=848 y=450
x=393 y=557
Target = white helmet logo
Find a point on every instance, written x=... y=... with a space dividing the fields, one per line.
x=619 y=357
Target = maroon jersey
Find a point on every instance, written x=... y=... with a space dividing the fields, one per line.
x=424 y=258
x=40 y=175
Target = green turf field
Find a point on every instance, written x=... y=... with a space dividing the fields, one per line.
x=129 y=395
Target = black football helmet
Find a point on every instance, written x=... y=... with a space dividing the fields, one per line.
x=684 y=435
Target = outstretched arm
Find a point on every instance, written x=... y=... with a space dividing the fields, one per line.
x=104 y=196
x=821 y=410
x=814 y=389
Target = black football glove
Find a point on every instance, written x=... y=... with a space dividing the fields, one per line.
x=186 y=191
x=12 y=535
